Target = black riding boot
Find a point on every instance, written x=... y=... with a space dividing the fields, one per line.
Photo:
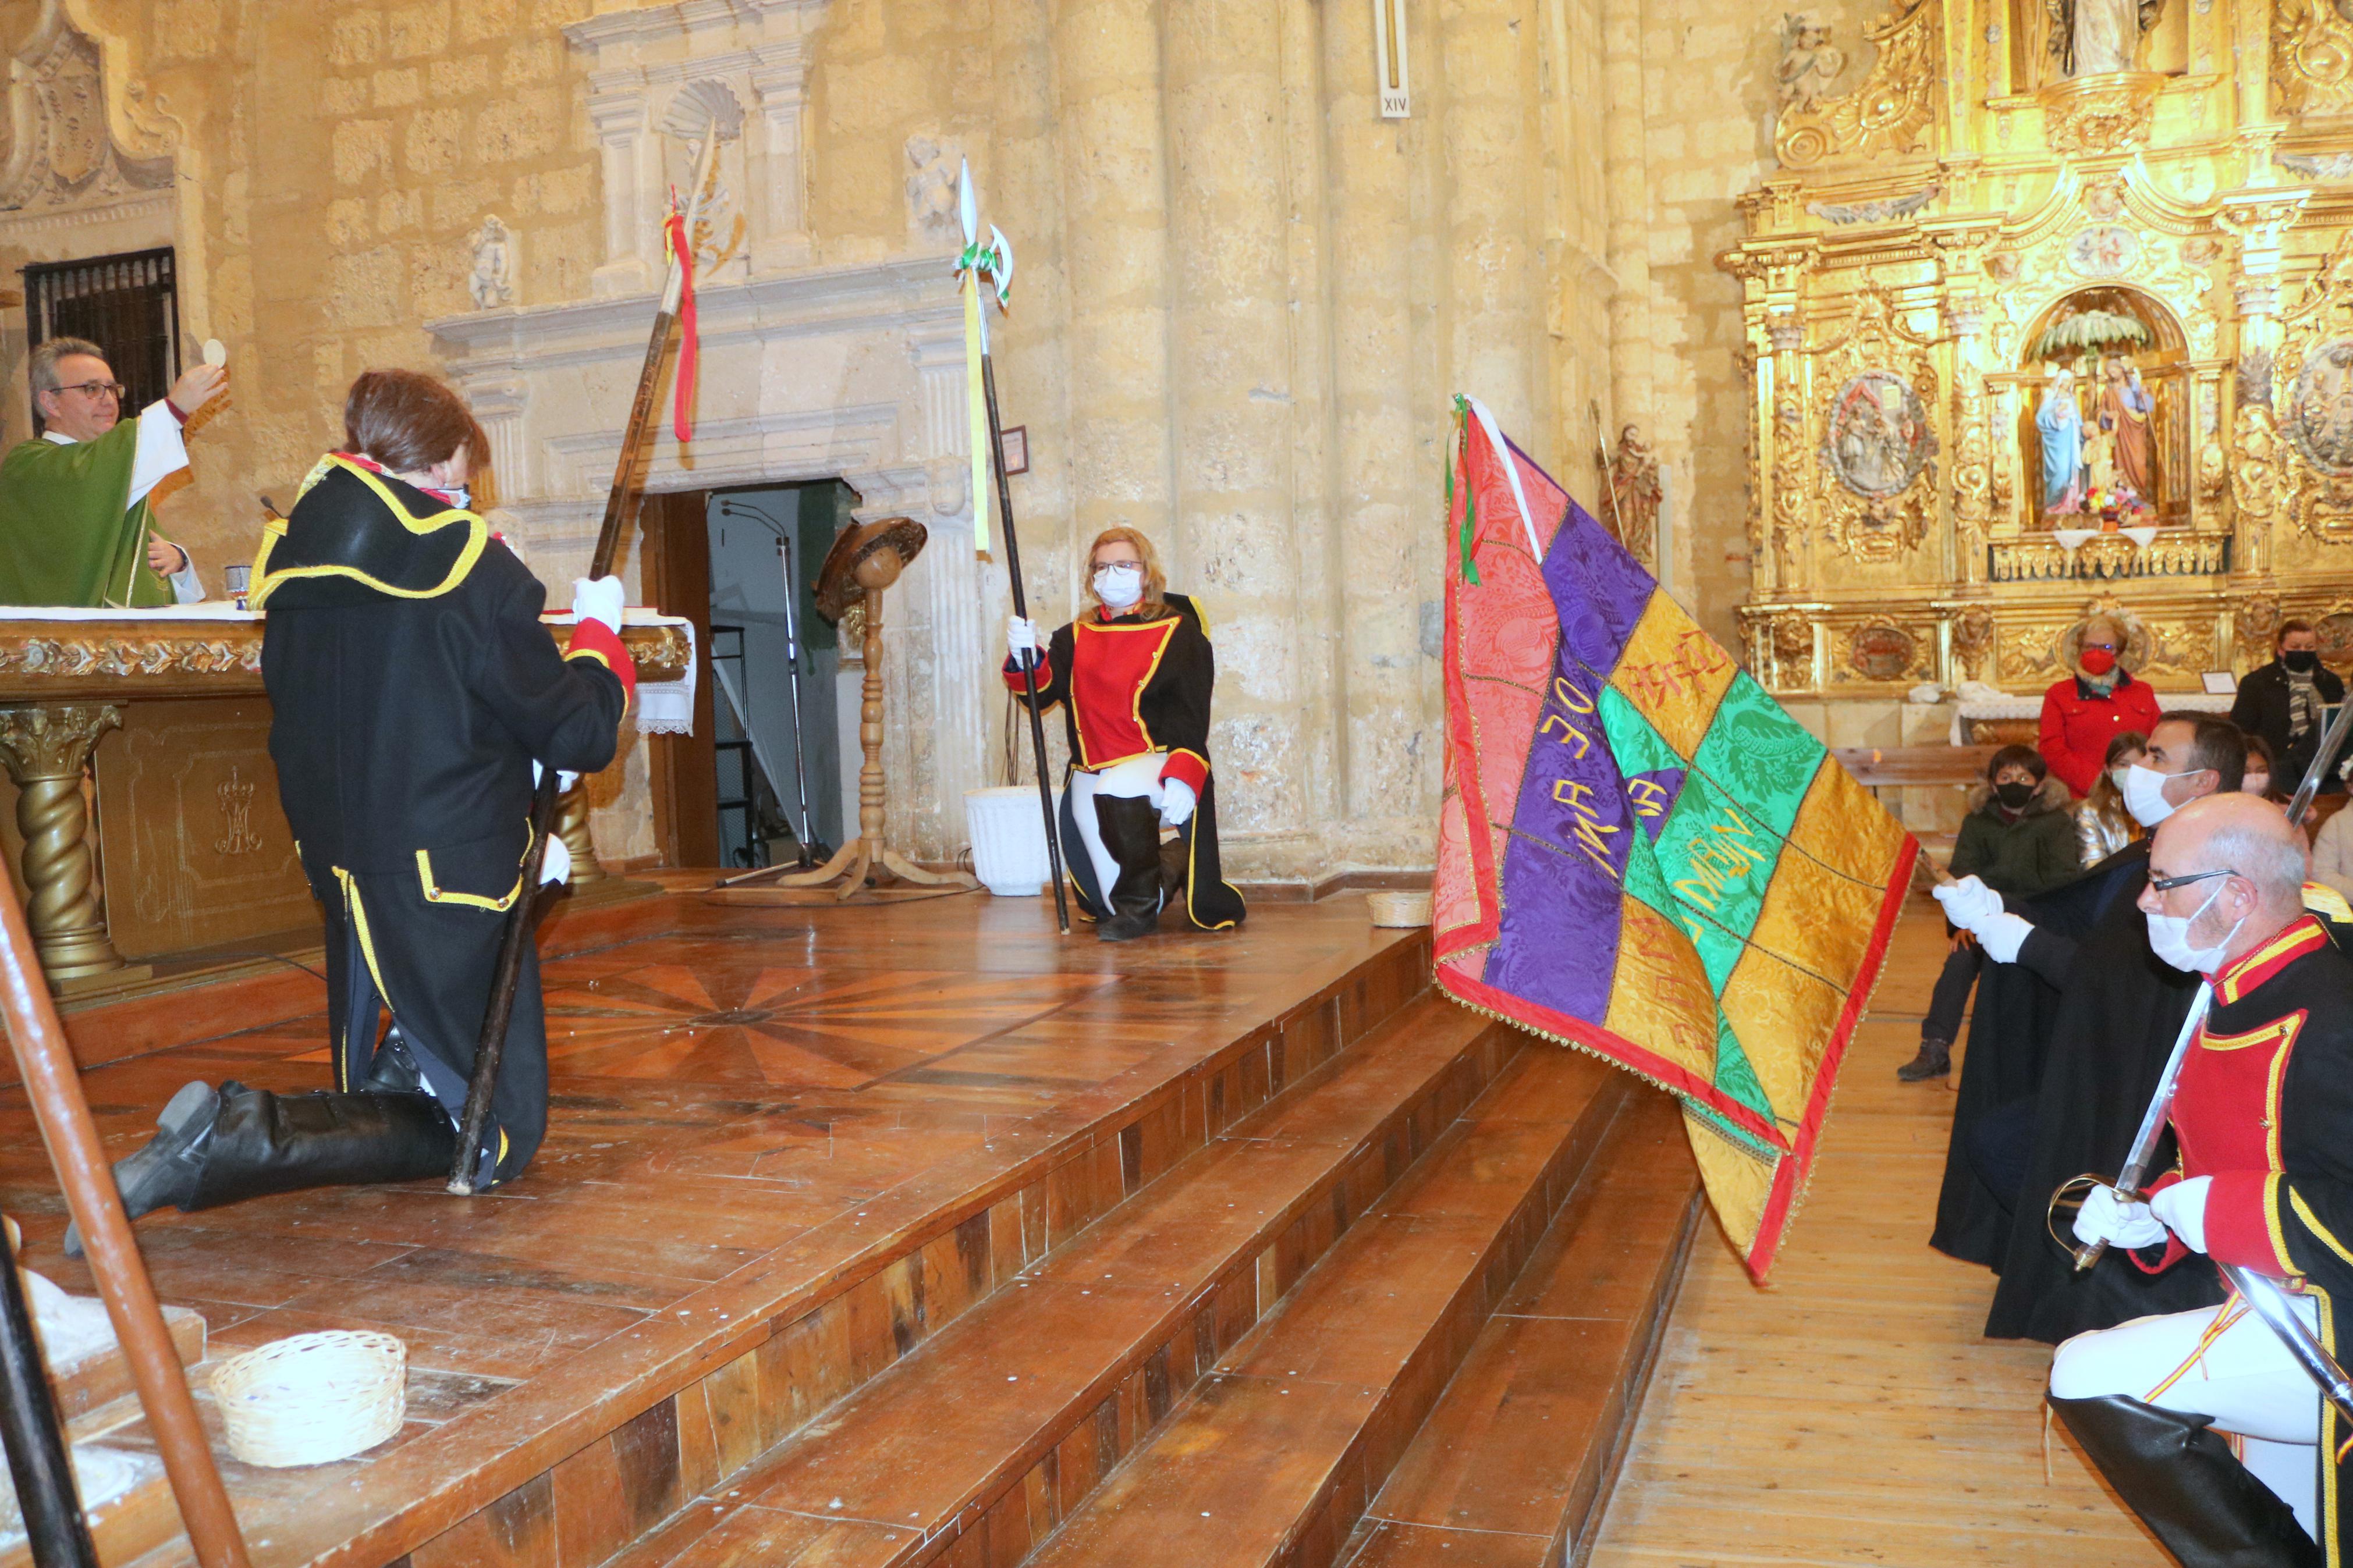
x=1176 y=866
x=2178 y=1475
x=1130 y=825
x=263 y=1143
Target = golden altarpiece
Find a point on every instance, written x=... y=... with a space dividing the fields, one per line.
x=2055 y=306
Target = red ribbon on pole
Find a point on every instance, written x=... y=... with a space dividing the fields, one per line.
x=682 y=248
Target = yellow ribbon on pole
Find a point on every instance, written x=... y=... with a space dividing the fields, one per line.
x=976 y=402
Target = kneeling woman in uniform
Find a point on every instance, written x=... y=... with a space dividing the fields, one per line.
x=416 y=694
x=1133 y=674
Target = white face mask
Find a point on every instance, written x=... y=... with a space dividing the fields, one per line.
x=2144 y=790
x=2168 y=938
x=1119 y=586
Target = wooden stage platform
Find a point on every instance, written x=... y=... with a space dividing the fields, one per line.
x=915 y=1233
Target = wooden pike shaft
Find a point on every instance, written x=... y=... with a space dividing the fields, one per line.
x=619 y=507
x=54 y=1086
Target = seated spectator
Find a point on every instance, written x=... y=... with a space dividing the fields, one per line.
x=2100 y=700
x=2102 y=825
x=2284 y=704
x=2262 y=768
x=2016 y=840
x=2332 y=854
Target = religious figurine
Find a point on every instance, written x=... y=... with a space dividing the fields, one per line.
x=492 y=283
x=1810 y=61
x=2061 y=425
x=931 y=186
x=2125 y=408
x=2094 y=37
x=2100 y=462
x=1630 y=479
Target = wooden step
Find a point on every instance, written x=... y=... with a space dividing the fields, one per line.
x=1513 y=1466
x=1273 y=1456
x=979 y=1441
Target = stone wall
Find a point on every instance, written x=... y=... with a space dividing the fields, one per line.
x=1243 y=302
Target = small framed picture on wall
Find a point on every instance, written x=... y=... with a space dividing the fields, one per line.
x=1015 y=443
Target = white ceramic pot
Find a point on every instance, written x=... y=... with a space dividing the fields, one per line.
x=1009 y=839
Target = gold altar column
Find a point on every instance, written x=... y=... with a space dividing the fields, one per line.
x=2256 y=218
x=47 y=752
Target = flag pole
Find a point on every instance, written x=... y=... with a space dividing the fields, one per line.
x=516 y=938
x=997 y=263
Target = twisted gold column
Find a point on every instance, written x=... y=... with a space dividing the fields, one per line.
x=47 y=751
x=572 y=826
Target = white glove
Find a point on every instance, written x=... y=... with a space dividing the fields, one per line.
x=1177 y=802
x=1021 y=641
x=1969 y=902
x=564 y=777
x=2182 y=1208
x=2108 y=1218
x=2002 y=936
x=556 y=867
x=599 y=600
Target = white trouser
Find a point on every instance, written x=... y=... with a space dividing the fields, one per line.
x=2245 y=1380
x=1139 y=775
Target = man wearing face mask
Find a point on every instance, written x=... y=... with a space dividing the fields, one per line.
x=1133 y=677
x=2094 y=704
x=2263 y=1121
x=2075 y=1019
x=2286 y=704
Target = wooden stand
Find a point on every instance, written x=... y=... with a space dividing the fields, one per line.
x=868 y=855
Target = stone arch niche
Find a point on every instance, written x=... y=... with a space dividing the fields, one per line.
x=2097 y=336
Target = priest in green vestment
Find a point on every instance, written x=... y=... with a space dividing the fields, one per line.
x=76 y=529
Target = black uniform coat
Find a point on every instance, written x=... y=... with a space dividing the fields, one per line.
x=413 y=685
x=2263 y=707
x=1168 y=710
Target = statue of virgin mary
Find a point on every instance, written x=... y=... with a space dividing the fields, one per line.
x=2061 y=425
x=2094 y=37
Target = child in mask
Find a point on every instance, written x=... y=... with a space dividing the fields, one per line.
x=2102 y=825
x=1133 y=675
x=2018 y=839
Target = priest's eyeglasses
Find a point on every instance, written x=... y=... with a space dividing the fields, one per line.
x=2167 y=883
x=94 y=390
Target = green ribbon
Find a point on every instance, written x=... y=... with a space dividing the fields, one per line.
x=1470 y=497
x=985 y=260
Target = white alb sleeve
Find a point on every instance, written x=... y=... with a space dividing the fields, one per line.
x=187 y=587
x=160 y=452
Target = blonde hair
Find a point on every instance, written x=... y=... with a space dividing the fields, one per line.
x=1155 y=603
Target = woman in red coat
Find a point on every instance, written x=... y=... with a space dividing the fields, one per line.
x=2083 y=711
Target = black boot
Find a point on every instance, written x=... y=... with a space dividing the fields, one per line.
x=1130 y=825
x=394 y=1070
x=1176 y=864
x=2178 y=1475
x=263 y=1143
x=165 y=1171
x=1935 y=1061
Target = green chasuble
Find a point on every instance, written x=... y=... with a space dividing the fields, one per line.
x=67 y=533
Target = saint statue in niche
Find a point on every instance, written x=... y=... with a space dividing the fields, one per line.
x=2125 y=408
x=1878 y=439
x=2320 y=414
x=2094 y=37
x=2061 y=426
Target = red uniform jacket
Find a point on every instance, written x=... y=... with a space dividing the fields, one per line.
x=2078 y=724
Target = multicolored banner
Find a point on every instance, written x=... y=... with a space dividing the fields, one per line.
x=1640 y=853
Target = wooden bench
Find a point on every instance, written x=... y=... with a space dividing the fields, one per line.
x=1912 y=767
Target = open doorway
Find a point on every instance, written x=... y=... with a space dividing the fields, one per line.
x=775 y=719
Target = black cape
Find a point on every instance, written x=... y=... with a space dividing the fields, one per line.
x=2070 y=1068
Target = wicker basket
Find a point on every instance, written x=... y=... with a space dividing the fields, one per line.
x=312 y=1399
x=1399 y=909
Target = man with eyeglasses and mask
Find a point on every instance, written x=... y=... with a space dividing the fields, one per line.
x=76 y=528
x=2200 y=1420
x=2075 y=1019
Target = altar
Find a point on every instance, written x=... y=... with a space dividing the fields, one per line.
x=2052 y=311
x=159 y=719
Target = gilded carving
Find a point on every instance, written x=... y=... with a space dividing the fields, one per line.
x=1973 y=639
x=2312 y=57
x=2313 y=390
x=1879 y=651
x=237 y=836
x=2255 y=467
x=2091 y=115
x=1876 y=487
x=45 y=751
x=1889 y=113
x=2257 y=622
x=1793 y=639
